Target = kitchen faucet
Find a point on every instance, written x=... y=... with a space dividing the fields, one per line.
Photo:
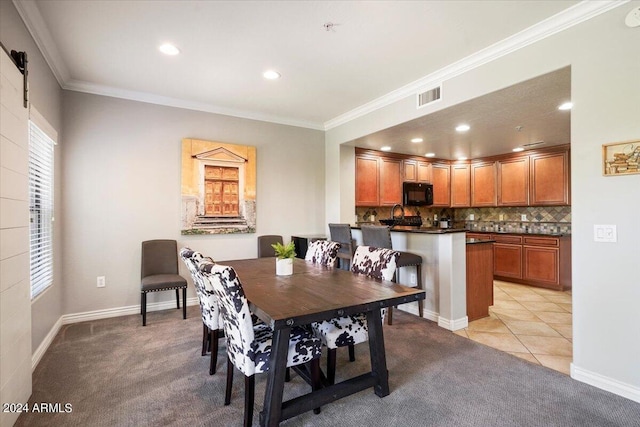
x=393 y=209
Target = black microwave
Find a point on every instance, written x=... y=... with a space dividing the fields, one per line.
x=417 y=194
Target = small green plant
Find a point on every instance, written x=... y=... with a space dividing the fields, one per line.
x=284 y=251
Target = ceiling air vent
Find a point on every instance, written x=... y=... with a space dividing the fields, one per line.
x=428 y=96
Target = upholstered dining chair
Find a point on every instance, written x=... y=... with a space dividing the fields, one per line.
x=248 y=343
x=347 y=331
x=341 y=233
x=264 y=245
x=159 y=272
x=211 y=320
x=380 y=236
x=323 y=252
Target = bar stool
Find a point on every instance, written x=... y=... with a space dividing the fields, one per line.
x=379 y=236
x=341 y=233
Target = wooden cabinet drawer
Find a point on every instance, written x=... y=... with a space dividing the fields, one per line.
x=502 y=238
x=479 y=236
x=542 y=241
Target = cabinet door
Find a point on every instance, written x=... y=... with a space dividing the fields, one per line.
x=513 y=182
x=440 y=175
x=460 y=185
x=390 y=181
x=367 y=181
x=541 y=264
x=507 y=260
x=549 y=179
x=424 y=172
x=410 y=170
x=483 y=184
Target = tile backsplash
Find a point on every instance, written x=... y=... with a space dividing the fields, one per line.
x=539 y=219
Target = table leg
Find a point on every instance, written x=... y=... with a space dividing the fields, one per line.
x=378 y=357
x=272 y=410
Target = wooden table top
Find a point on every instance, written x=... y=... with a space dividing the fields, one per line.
x=313 y=292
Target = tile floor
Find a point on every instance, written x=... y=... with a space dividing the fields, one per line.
x=528 y=322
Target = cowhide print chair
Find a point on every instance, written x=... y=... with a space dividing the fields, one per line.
x=211 y=319
x=378 y=263
x=249 y=344
x=323 y=252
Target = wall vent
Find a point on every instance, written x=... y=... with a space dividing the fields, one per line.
x=429 y=96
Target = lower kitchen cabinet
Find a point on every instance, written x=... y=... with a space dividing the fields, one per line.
x=507 y=261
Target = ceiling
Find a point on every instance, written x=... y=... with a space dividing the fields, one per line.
x=370 y=52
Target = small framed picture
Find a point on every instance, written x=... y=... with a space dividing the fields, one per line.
x=620 y=158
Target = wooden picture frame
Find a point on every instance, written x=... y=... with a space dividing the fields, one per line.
x=621 y=158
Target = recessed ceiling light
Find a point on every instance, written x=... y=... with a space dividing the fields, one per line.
x=385 y=148
x=566 y=106
x=462 y=158
x=416 y=140
x=271 y=75
x=169 y=49
x=517 y=149
x=463 y=128
x=430 y=155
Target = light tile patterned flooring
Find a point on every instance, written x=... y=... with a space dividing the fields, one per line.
x=531 y=323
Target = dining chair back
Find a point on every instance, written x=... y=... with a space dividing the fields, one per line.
x=341 y=233
x=264 y=245
x=211 y=320
x=376 y=262
x=159 y=272
x=323 y=252
x=249 y=344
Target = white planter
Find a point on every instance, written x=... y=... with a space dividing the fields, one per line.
x=284 y=267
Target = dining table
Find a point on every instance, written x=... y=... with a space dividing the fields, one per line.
x=311 y=294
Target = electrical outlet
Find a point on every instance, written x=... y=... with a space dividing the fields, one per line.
x=472 y=217
x=101 y=283
x=412 y=279
x=501 y=217
x=523 y=217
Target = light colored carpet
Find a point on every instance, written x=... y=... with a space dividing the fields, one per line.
x=114 y=372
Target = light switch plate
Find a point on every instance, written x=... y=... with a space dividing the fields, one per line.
x=605 y=233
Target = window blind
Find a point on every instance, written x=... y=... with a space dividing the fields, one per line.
x=40 y=209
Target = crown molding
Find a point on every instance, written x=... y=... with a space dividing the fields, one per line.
x=150 y=98
x=30 y=14
x=561 y=21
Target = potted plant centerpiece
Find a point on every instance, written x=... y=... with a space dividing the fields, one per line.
x=284 y=258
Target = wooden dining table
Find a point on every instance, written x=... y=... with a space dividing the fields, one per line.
x=314 y=293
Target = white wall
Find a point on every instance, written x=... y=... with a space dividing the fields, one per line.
x=605 y=64
x=122 y=186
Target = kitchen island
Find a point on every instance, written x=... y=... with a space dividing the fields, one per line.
x=444 y=276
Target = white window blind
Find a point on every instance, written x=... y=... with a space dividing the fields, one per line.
x=41 y=209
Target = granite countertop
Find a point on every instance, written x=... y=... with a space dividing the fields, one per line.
x=518 y=233
x=416 y=229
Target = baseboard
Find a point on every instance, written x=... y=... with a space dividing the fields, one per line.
x=413 y=309
x=44 y=345
x=605 y=383
x=453 y=325
x=97 y=315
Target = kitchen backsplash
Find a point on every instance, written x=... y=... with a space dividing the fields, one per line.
x=540 y=219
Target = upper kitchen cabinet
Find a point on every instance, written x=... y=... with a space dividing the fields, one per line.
x=417 y=171
x=549 y=179
x=460 y=185
x=367 y=181
x=483 y=184
x=390 y=181
x=513 y=181
x=378 y=180
x=440 y=173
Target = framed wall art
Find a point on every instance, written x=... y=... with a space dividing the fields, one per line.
x=620 y=158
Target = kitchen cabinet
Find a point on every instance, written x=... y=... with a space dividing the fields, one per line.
x=378 y=180
x=440 y=173
x=390 y=181
x=416 y=171
x=479 y=258
x=549 y=179
x=507 y=256
x=460 y=185
x=513 y=181
x=367 y=181
x=483 y=184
